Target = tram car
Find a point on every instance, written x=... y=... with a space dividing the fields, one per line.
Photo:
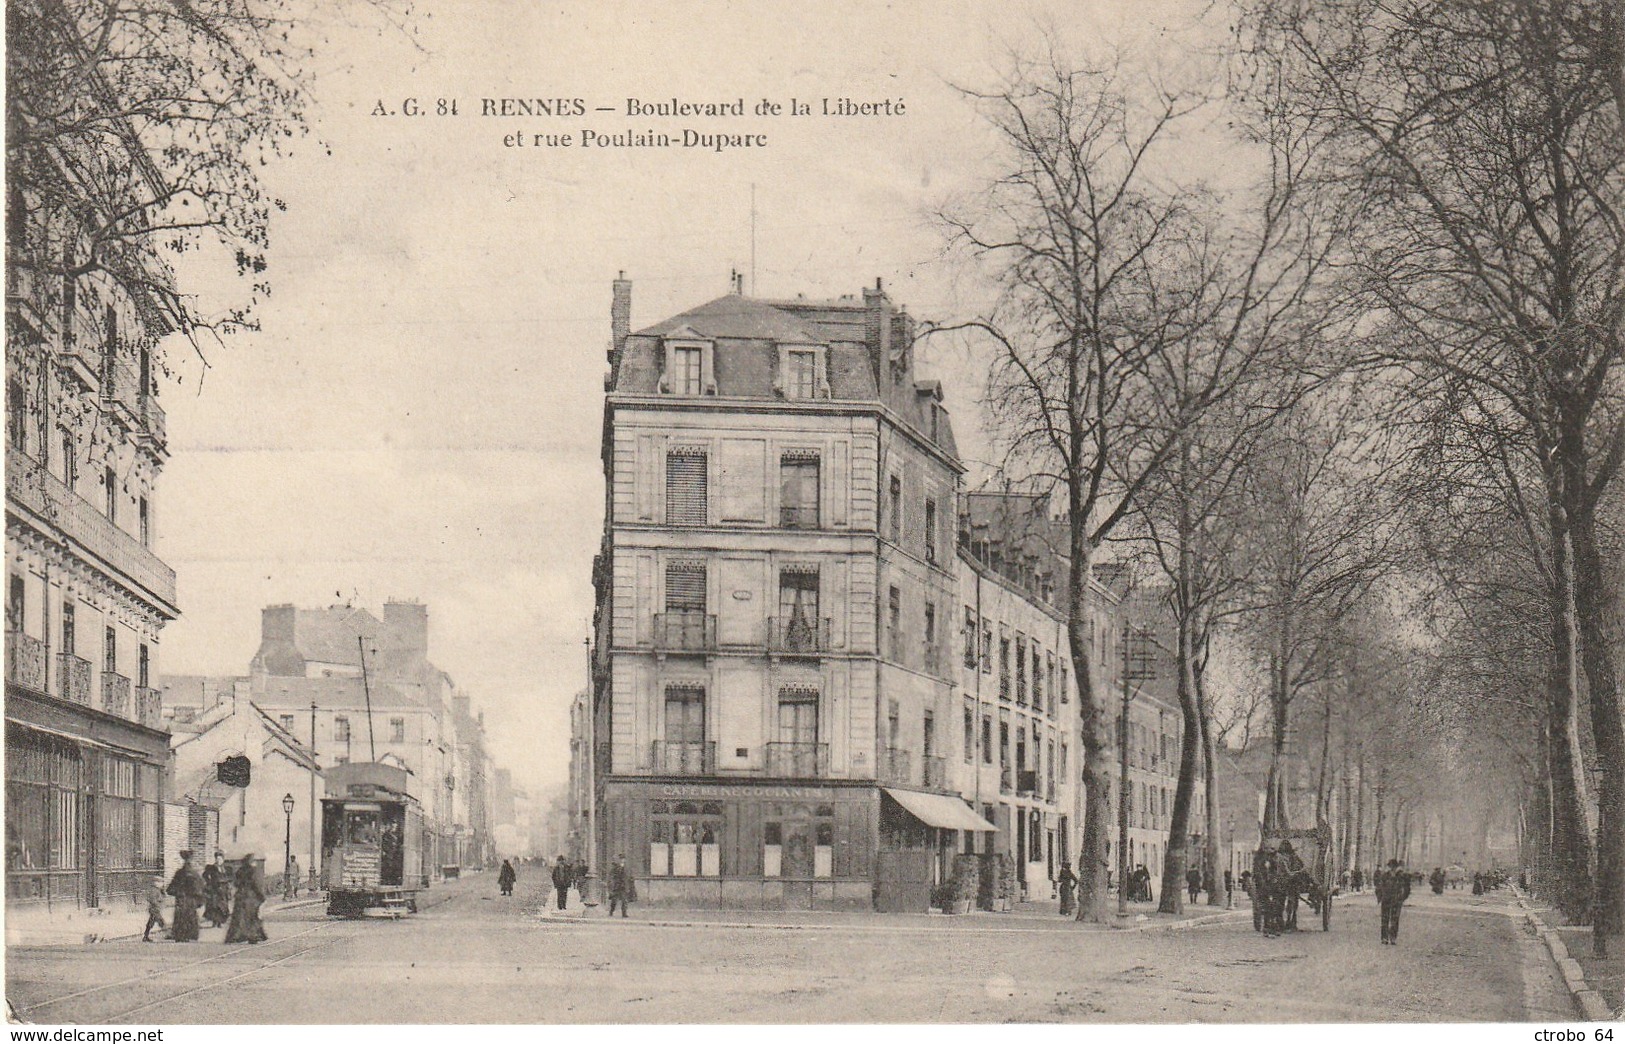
x=372 y=841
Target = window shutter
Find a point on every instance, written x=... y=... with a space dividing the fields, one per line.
x=685 y=587
x=686 y=488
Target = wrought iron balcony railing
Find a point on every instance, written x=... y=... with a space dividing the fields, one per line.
x=896 y=766
x=798 y=635
x=685 y=632
x=149 y=707
x=25 y=661
x=688 y=758
x=798 y=760
x=73 y=677
x=116 y=694
x=35 y=489
x=798 y=517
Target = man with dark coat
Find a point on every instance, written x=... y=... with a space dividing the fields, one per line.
x=1266 y=892
x=621 y=888
x=1193 y=882
x=1436 y=880
x=1393 y=888
x=246 y=896
x=217 y=891
x=506 y=877
x=563 y=877
x=187 y=888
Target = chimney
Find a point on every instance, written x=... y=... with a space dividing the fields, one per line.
x=407 y=628
x=877 y=332
x=620 y=317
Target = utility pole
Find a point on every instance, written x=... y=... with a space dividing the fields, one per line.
x=372 y=749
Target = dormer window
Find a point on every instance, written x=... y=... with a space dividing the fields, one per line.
x=802 y=372
x=689 y=366
x=685 y=370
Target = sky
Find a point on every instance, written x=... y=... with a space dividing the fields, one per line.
x=419 y=415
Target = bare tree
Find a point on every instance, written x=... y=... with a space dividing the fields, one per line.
x=1487 y=141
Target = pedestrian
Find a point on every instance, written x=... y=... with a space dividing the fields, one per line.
x=217 y=891
x=621 y=888
x=1229 y=888
x=1068 y=888
x=247 y=895
x=563 y=877
x=155 y=908
x=506 y=877
x=1141 y=885
x=1393 y=888
x=1359 y=880
x=1193 y=882
x=290 y=881
x=1265 y=893
x=187 y=888
x=1478 y=883
x=1436 y=880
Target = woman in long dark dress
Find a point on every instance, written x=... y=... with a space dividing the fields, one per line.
x=246 y=926
x=187 y=888
x=217 y=891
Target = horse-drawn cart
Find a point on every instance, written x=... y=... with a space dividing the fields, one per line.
x=1292 y=867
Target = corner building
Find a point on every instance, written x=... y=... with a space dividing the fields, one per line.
x=774 y=663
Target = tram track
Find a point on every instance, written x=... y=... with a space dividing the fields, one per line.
x=204 y=987
x=33 y=1011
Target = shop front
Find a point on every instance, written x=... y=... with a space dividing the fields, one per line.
x=745 y=846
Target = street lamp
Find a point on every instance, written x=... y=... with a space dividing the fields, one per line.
x=287 y=847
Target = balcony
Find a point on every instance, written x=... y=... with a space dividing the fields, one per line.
x=896 y=766
x=692 y=758
x=936 y=771
x=38 y=491
x=116 y=694
x=685 y=633
x=798 y=760
x=798 y=636
x=149 y=707
x=73 y=677
x=25 y=661
x=154 y=424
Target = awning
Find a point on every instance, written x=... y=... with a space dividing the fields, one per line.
x=939 y=810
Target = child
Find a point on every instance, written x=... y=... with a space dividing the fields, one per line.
x=155 y=908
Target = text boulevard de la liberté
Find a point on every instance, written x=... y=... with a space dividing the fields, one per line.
x=706 y=136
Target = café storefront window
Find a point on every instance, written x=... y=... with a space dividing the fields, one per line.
x=683 y=838
x=798 y=840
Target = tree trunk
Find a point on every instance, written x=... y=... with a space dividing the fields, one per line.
x=1359 y=812
x=1275 y=814
x=1211 y=861
x=1597 y=609
x=1571 y=842
x=1092 y=860
x=1190 y=739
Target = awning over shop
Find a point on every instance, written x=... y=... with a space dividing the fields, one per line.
x=939 y=810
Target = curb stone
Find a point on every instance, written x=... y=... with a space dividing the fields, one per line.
x=1589 y=1002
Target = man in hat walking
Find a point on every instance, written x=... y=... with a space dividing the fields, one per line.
x=1393 y=888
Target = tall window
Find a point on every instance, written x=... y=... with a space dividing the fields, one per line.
x=70 y=460
x=987 y=647
x=928 y=738
x=930 y=530
x=16 y=603
x=1004 y=744
x=397 y=730
x=970 y=733
x=987 y=739
x=1038 y=677
x=69 y=645
x=930 y=632
x=143 y=667
x=16 y=415
x=685 y=730
x=894 y=506
x=798 y=609
x=798 y=490
x=797 y=753
x=1004 y=667
x=110 y=488
x=1049 y=678
x=1021 y=669
x=341 y=729
x=686 y=487
x=969 y=635
x=685 y=377
x=802 y=377
x=146 y=522
x=894 y=622
x=109 y=650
